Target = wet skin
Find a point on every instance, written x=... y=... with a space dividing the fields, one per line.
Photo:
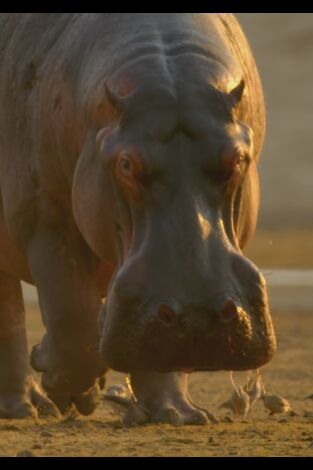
x=129 y=173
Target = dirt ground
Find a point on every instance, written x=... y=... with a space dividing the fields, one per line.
x=290 y=374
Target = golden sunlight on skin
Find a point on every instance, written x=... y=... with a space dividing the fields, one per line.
x=205 y=226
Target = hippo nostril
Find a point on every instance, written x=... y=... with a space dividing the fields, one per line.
x=229 y=310
x=166 y=315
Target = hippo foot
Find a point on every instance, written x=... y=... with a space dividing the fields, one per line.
x=163 y=398
x=30 y=404
x=71 y=383
x=177 y=413
x=85 y=403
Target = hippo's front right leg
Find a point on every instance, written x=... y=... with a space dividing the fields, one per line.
x=63 y=270
x=164 y=398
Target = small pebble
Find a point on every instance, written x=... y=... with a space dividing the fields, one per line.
x=37 y=446
x=233 y=452
x=46 y=434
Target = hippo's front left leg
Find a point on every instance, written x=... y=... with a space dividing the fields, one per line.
x=64 y=273
x=164 y=398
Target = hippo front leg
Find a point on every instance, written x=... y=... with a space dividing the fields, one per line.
x=164 y=398
x=64 y=273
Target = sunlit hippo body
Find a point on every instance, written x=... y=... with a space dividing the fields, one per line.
x=128 y=151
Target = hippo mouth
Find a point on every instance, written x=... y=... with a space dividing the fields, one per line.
x=239 y=344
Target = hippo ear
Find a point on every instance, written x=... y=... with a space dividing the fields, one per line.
x=237 y=92
x=115 y=101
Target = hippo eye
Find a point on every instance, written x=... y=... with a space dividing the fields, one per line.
x=129 y=172
x=125 y=165
x=233 y=162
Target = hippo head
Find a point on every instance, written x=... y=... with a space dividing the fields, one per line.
x=168 y=193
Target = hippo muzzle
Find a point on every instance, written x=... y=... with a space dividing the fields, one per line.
x=228 y=331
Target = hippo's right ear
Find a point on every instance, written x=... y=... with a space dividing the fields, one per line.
x=237 y=92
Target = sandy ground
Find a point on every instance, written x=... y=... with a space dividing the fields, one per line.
x=290 y=374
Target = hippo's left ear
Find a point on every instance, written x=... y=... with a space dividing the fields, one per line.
x=237 y=92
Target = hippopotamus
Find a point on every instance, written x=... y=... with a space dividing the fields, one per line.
x=129 y=145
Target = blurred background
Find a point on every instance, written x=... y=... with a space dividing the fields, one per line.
x=282 y=44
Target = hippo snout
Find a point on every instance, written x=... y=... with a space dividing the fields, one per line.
x=166 y=334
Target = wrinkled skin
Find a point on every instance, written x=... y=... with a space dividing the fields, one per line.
x=128 y=164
